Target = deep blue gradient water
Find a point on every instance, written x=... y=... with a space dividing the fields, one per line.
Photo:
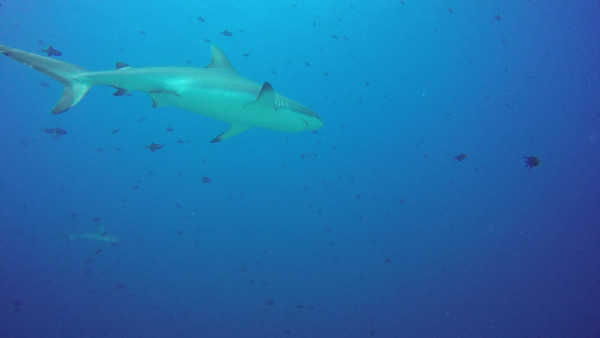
x=368 y=227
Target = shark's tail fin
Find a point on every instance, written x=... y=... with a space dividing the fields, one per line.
x=71 y=76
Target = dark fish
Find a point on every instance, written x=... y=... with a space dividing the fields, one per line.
x=114 y=131
x=154 y=146
x=169 y=129
x=143 y=32
x=51 y=51
x=245 y=55
x=44 y=84
x=532 y=161
x=460 y=157
x=498 y=17
x=201 y=19
x=58 y=131
x=226 y=33
x=206 y=179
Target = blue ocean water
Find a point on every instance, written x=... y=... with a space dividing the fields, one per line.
x=372 y=226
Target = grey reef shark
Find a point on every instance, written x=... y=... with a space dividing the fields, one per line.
x=100 y=236
x=215 y=91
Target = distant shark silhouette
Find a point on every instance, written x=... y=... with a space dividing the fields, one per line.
x=100 y=236
x=215 y=91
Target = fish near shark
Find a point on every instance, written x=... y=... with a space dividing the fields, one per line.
x=215 y=91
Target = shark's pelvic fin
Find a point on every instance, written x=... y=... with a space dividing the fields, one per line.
x=75 y=85
x=219 y=60
x=233 y=130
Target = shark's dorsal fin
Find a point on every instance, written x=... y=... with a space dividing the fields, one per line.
x=219 y=60
x=121 y=65
x=233 y=130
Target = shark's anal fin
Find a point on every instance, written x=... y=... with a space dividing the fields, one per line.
x=265 y=99
x=233 y=130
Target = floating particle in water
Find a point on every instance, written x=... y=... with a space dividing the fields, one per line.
x=120 y=286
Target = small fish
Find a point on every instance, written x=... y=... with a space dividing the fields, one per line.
x=58 y=131
x=201 y=19
x=532 y=161
x=206 y=179
x=460 y=157
x=51 y=51
x=226 y=33
x=154 y=146
x=169 y=129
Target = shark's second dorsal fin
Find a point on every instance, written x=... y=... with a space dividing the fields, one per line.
x=219 y=60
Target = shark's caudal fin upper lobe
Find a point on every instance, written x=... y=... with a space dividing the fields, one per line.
x=75 y=85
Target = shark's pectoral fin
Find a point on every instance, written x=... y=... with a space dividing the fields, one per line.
x=233 y=130
x=265 y=99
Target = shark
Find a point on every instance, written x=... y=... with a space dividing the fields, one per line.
x=100 y=236
x=216 y=91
